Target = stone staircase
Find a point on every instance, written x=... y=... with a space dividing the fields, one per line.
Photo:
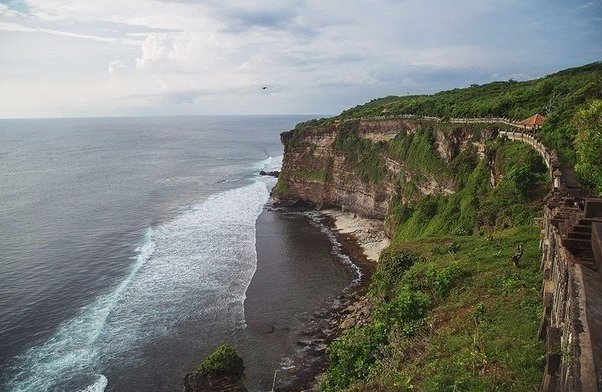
x=579 y=222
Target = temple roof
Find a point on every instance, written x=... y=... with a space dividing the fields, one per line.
x=536 y=119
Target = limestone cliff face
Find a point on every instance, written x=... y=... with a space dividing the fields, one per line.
x=320 y=167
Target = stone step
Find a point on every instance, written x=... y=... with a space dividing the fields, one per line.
x=582 y=228
x=585 y=222
x=577 y=244
x=577 y=234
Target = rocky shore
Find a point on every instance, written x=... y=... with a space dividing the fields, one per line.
x=368 y=233
x=361 y=240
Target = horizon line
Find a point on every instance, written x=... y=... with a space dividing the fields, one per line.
x=166 y=115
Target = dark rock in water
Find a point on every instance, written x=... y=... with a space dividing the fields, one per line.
x=222 y=371
x=274 y=173
x=199 y=381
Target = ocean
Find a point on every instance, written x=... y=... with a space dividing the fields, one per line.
x=131 y=247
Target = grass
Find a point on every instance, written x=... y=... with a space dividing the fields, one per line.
x=480 y=332
x=281 y=187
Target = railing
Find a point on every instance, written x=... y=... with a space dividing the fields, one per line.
x=454 y=120
x=549 y=156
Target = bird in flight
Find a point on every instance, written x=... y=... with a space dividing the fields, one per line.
x=264 y=88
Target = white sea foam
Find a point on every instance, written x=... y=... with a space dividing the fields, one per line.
x=270 y=163
x=197 y=266
x=98 y=386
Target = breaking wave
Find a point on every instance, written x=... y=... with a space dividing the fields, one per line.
x=197 y=266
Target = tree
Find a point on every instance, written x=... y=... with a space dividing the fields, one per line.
x=588 y=144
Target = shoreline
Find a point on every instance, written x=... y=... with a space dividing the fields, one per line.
x=361 y=240
x=369 y=234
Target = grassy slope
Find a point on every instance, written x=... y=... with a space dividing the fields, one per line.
x=482 y=334
x=451 y=312
x=564 y=90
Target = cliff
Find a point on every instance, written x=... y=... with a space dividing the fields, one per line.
x=362 y=165
x=425 y=178
x=456 y=297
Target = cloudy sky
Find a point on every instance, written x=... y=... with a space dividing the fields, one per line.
x=71 y=58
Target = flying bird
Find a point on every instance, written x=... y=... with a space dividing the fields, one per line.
x=264 y=88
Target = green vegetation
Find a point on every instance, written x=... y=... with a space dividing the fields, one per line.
x=564 y=97
x=515 y=200
x=415 y=150
x=281 y=187
x=588 y=142
x=451 y=314
x=366 y=157
x=223 y=361
x=320 y=175
x=450 y=310
x=552 y=94
x=557 y=96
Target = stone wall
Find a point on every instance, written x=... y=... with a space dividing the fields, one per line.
x=571 y=323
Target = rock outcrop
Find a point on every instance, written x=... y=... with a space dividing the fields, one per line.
x=199 y=381
x=274 y=173
x=317 y=170
x=222 y=371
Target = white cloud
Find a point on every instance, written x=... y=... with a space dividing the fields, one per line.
x=6 y=12
x=156 y=14
x=216 y=53
x=179 y=52
x=24 y=29
x=118 y=69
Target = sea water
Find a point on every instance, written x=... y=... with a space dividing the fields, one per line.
x=131 y=247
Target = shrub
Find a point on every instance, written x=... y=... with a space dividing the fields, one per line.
x=353 y=354
x=391 y=266
x=405 y=310
x=442 y=280
x=223 y=361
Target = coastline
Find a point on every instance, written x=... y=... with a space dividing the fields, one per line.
x=367 y=233
x=360 y=240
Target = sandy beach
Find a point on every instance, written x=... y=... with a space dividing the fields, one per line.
x=368 y=233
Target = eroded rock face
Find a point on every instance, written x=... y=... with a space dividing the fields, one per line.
x=315 y=171
x=200 y=382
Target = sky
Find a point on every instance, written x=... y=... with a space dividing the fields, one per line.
x=84 y=58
